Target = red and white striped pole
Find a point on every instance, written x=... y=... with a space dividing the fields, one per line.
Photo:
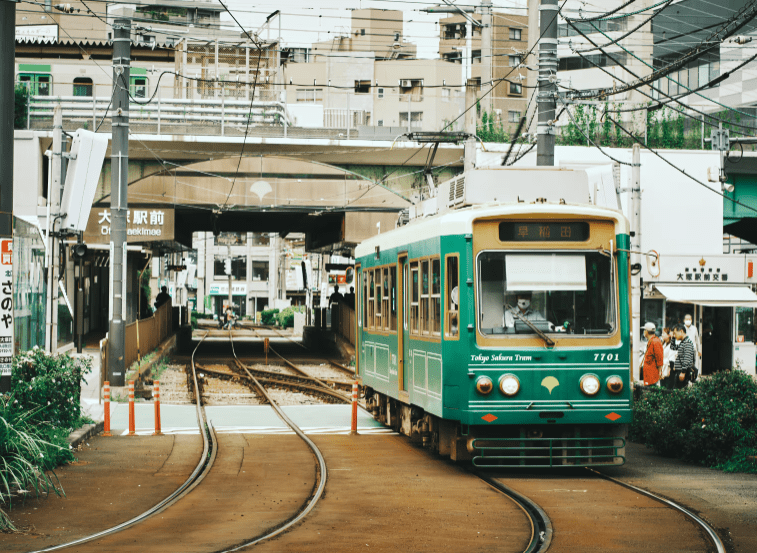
x=353 y=430
x=131 y=409
x=156 y=395
x=106 y=409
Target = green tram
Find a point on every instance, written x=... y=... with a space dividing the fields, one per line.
x=499 y=332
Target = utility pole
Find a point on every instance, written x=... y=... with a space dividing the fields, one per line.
x=532 y=60
x=546 y=96
x=469 y=158
x=119 y=163
x=487 y=59
x=635 y=247
x=53 y=202
x=7 y=111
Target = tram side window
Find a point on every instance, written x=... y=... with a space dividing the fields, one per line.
x=393 y=300
x=424 y=297
x=436 y=298
x=385 y=300
x=379 y=299
x=364 y=299
x=414 y=299
x=452 y=321
x=371 y=304
x=82 y=86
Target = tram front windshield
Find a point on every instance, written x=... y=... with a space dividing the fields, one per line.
x=570 y=292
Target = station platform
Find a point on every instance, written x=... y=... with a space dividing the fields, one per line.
x=244 y=419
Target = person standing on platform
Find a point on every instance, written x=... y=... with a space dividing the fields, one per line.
x=684 y=366
x=336 y=297
x=668 y=358
x=693 y=334
x=653 y=357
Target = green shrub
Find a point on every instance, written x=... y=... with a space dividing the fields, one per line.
x=199 y=315
x=713 y=422
x=286 y=317
x=52 y=383
x=21 y=107
x=28 y=451
x=268 y=316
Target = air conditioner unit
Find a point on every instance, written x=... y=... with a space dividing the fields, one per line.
x=406 y=83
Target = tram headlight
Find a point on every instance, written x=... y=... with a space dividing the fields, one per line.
x=509 y=384
x=615 y=384
x=484 y=385
x=589 y=384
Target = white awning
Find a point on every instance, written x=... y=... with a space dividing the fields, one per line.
x=715 y=295
x=545 y=272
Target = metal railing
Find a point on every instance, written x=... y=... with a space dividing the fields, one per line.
x=205 y=116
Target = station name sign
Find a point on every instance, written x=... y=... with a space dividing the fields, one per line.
x=700 y=274
x=143 y=224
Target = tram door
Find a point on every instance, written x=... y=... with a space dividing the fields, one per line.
x=404 y=338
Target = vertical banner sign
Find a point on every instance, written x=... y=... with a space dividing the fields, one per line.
x=6 y=313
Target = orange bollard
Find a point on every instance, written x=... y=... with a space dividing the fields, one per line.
x=131 y=409
x=156 y=395
x=353 y=431
x=106 y=409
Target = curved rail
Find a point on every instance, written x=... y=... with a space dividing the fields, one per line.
x=711 y=534
x=541 y=525
x=323 y=474
x=201 y=470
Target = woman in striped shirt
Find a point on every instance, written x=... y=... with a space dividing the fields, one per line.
x=684 y=366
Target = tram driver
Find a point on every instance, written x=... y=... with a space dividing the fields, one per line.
x=522 y=308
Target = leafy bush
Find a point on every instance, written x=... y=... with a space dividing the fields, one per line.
x=713 y=422
x=286 y=317
x=52 y=383
x=21 y=107
x=199 y=315
x=268 y=316
x=28 y=450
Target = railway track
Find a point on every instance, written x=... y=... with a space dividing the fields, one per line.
x=209 y=451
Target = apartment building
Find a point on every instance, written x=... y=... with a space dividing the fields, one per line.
x=509 y=46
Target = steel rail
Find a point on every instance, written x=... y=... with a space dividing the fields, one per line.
x=541 y=525
x=323 y=473
x=315 y=390
x=711 y=534
x=303 y=372
x=210 y=447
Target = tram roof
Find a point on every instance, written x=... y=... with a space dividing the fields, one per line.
x=460 y=221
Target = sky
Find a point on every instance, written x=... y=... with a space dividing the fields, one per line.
x=304 y=22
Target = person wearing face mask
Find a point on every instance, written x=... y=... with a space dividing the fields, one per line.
x=523 y=307
x=693 y=334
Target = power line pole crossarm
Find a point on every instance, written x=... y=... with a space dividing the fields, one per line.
x=118 y=202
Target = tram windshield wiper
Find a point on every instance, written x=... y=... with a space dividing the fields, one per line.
x=547 y=340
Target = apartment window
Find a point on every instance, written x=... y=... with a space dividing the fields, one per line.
x=260 y=239
x=310 y=95
x=362 y=32
x=82 y=86
x=231 y=239
x=513 y=116
x=476 y=55
x=238 y=267
x=445 y=94
x=412 y=88
x=362 y=87
x=380 y=92
x=260 y=270
x=416 y=119
x=48 y=5
x=380 y=123
x=514 y=61
x=515 y=34
x=516 y=88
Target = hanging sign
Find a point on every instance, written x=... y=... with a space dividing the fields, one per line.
x=6 y=312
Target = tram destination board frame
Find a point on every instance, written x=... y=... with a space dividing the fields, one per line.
x=544 y=231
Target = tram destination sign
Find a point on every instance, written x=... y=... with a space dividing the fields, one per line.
x=541 y=231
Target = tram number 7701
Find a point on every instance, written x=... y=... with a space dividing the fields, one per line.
x=605 y=357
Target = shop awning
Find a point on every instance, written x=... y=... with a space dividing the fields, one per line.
x=715 y=295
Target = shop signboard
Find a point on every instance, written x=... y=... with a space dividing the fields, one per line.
x=143 y=224
x=222 y=289
x=6 y=312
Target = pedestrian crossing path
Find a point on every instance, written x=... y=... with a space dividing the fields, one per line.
x=246 y=419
